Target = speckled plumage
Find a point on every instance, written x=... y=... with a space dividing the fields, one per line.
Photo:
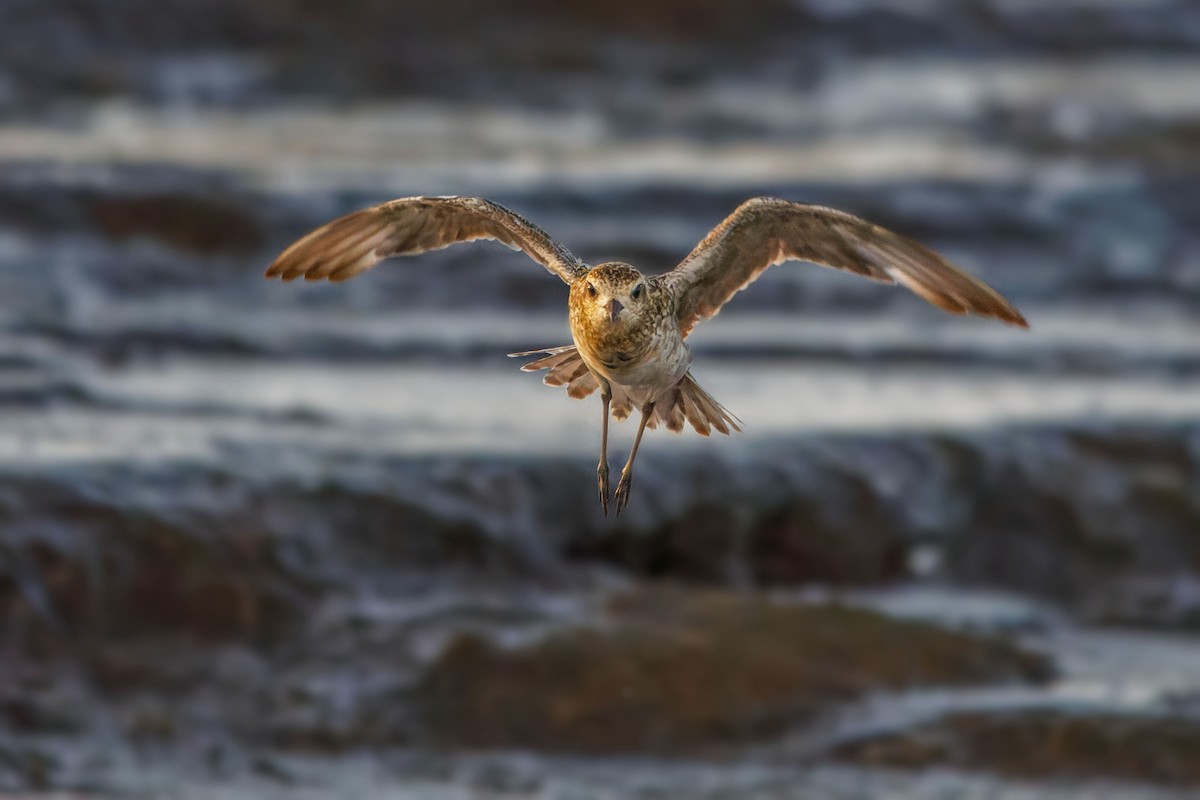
x=628 y=328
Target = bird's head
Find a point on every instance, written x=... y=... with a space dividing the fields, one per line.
x=612 y=296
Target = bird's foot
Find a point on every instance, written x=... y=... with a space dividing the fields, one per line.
x=602 y=481
x=622 y=496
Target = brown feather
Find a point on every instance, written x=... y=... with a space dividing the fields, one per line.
x=356 y=242
x=687 y=401
x=716 y=413
x=674 y=417
x=693 y=413
x=549 y=362
x=565 y=372
x=621 y=408
x=582 y=386
x=766 y=231
x=565 y=368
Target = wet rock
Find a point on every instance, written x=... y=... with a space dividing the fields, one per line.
x=47 y=710
x=550 y=50
x=700 y=545
x=195 y=224
x=675 y=672
x=334 y=719
x=150 y=721
x=839 y=535
x=837 y=530
x=95 y=562
x=785 y=517
x=1155 y=145
x=84 y=568
x=1044 y=744
x=1102 y=521
x=1147 y=601
x=1081 y=516
x=660 y=18
x=27 y=767
x=1091 y=519
x=121 y=668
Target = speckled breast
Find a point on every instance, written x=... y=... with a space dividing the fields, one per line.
x=656 y=361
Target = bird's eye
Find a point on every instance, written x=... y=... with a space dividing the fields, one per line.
x=591 y=290
x=637 y=291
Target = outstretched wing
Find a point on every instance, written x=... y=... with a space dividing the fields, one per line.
x=356 y=242
x=766 y=231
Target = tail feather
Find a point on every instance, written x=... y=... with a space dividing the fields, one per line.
x=550 y=362
x=579 y=371
x=698 y=408
x=691 y=411
x=550 y=351
x=712 y=410
x=622 y=406
x=563 y=367
x=583 y=384
x=673 y=414
x=686 y=402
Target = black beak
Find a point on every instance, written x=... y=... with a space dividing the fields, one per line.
x=614 y=307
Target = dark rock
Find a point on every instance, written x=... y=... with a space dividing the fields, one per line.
x=195 y=224
x=700 y=545
x=94 y=561
x=27 y=767
x=1078 y=516
x=90 y=568
x=840 y=535
x=1044 y=745
x=1089 y=519
x=551 y=50
x=46 y=711
x=677 y=672
x=151 y=722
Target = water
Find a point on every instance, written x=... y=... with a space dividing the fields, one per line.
x=361 y=460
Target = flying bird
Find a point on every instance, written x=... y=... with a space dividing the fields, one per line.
x=629 y=330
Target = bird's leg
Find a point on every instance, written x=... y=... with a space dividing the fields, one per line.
x=602 y=467
x=627 y=473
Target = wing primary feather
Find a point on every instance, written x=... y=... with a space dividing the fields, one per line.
x=358 y=241
x=766 y=231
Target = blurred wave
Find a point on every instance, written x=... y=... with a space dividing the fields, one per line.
x=325 y=483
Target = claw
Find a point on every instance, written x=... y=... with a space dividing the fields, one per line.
x=602 y=480
x=622 y=496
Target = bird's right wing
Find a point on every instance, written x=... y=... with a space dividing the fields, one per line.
x=356 y=242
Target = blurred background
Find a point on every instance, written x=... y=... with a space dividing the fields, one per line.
x=262 y=540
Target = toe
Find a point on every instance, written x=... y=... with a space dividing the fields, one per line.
x=602 y=485
x=623 y=488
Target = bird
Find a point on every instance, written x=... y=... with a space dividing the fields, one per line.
x=629 y=330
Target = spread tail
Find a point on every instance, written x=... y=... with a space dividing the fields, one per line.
x=565 y=368
x=687 y=401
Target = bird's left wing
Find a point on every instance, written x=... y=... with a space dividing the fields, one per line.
x=766 y=231
x=356 y=242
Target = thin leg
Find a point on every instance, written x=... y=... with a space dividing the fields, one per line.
x=602 y=467
x=627 y=473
